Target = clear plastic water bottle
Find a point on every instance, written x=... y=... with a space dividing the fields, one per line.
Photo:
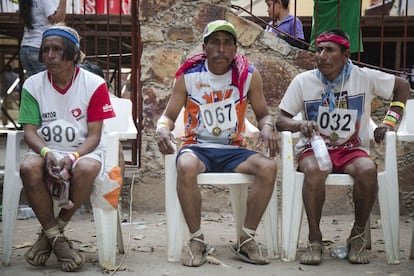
x=341 y=252
x=321 y=152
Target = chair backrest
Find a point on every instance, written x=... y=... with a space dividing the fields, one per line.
x=122 y=123
x=406 y=129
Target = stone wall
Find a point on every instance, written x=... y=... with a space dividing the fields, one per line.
x=171 y=30
x=174 y=33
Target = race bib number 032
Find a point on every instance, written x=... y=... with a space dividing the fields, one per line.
x=340 y=121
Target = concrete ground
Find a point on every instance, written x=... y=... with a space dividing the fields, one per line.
x=145 y=242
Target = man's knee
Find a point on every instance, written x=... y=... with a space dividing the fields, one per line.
x=267 y=169
x=31 y=167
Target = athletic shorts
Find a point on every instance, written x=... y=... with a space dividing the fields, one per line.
x=340 y=157
x=220 y=159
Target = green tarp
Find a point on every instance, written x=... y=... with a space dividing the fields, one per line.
x=326 y=17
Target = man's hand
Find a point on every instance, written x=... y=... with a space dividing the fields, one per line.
x=270 y=140
x=307 y=128
x=379 y=132
x=166 y=140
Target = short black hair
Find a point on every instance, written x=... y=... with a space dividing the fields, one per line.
x=285 y=3
x=70 y=51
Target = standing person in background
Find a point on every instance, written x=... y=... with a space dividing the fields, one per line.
x=37 y=15
x=278 y=11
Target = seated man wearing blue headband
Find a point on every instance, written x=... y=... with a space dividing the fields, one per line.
x=62 y=111
x=335 y=100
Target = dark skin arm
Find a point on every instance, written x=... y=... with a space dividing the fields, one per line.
x=286 y=122
x=401 y=92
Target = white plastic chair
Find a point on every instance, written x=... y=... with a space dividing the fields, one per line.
x=292 y=204
x=406 y=133
x=108 y=229
x=238 y=187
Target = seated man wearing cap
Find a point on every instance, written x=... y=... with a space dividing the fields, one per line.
x=62 y=111
x=215 y=88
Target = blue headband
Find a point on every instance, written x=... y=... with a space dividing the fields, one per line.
x=63 y=33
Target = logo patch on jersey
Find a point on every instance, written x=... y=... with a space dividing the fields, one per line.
x=49 y=116
x=107 y=108
x=200 y=85
x=76 y=112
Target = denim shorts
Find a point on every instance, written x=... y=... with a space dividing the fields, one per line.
x=219 y=159
x=29 y=57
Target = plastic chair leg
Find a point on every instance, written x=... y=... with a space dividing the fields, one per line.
x=412 y=245
x=106 y=234
x=390 y=215
x=238 y=197
x=12 y=187
x=119 y=238
x=270 y=225
x=173 y=212
x=292 y=210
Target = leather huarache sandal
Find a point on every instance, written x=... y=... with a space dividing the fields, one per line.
x=71 y=259
x=40 y=251
x=313 y=253
x=249 y=251
x=197 y=251
x=356 y=246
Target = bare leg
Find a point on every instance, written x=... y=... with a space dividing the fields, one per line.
x=264 y=170
x=188 y=167
x=364 y=172
x=313 y=193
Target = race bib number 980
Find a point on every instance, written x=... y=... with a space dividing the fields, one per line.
x=59 y=133
x=340 y=121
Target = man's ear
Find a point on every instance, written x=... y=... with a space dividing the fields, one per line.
x=204 y=47
x=347 y=54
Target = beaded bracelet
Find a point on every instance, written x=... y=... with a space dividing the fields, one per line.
x=76 y=154
x=391 y=118
x=399 y=104
x=268 y=123
x=393 y=114
x=161 y=124
x=44 y=151
x=390 y=123
x=72 y=157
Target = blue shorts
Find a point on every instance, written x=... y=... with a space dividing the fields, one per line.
x=219 y=159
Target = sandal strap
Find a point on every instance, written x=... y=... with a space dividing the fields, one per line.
x=319 y=244
x=250 y=233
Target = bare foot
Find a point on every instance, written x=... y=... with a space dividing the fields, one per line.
x=357 y=244
x=252 y=252
x=196 y=253
x=39 y=253
x=313 y=254
x=70 y=259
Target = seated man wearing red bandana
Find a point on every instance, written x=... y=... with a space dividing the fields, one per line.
x=335 y=100
x=215 y=88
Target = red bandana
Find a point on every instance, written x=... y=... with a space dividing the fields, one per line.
x=239 y=69
x=333 y=38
